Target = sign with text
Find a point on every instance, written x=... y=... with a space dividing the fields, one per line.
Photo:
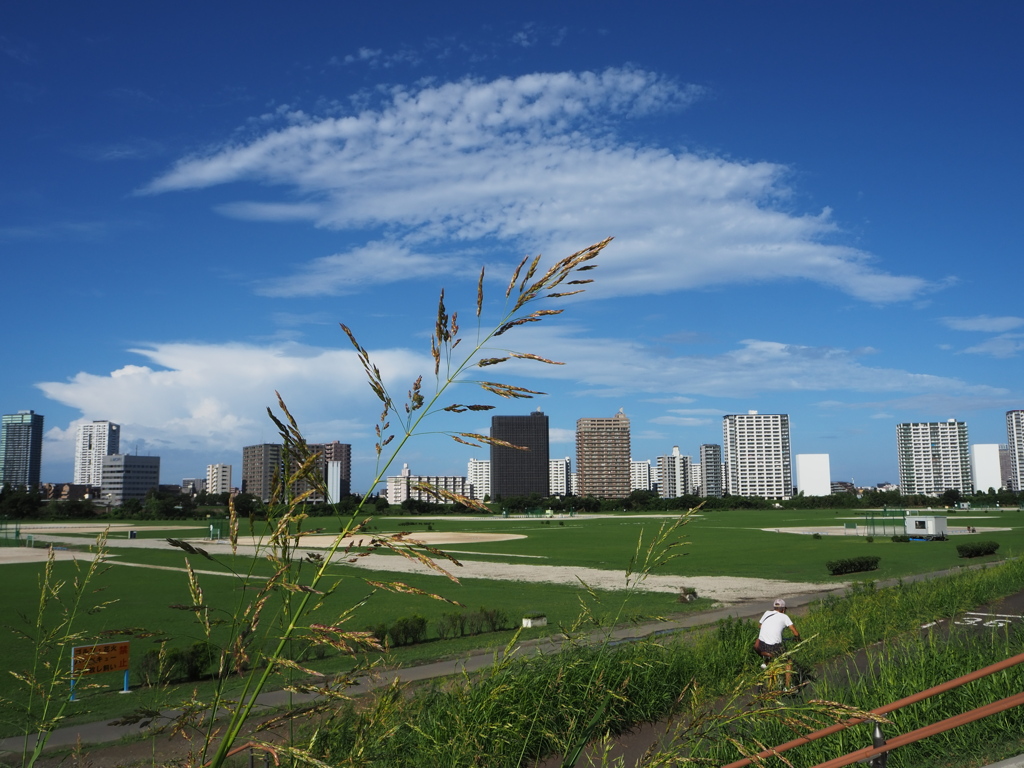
x=94 y=659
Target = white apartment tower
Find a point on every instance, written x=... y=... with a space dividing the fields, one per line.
x=218 y=478
x=1015 y=446
x=479 y=475
x=757 y=455
x=933 y=457
x=674 y=475
x=640 y=476
x=95 y=440
x=558 y=476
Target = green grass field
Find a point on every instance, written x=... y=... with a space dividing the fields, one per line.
x=719 y=543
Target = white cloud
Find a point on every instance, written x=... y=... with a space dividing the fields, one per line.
x=376 y=263
x=1002 y=346
x=616 y=367
x=984 y=323
x=536 y=163
x=208 y=397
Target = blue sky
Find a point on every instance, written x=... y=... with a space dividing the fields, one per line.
x=816 y=206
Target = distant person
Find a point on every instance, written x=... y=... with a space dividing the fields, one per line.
x=769 y=640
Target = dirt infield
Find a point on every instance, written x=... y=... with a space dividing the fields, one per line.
x=12 y=555
x=432 y=538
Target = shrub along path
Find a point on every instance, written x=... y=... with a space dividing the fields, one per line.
x=102 y=732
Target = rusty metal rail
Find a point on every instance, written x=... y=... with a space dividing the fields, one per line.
x=907 y=738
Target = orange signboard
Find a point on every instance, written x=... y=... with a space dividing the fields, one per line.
x=94 y=659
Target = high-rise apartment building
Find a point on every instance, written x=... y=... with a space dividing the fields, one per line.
x=479 y=475
x=757 y=455
x=602 y=457
x=933 y=457
x=641 y=478
x=21 y=449
x=93 y=442
x=260 y=465
x=129 y=477
x=559 y=474
x=813 y=474
x=1015 y=448
x=525 y=469
x=674 y=475
x=711 y=474
x=334 y=462
x=218 y=479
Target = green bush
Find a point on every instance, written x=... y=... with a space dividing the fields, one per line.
x=901 y=538
x=977 y=548
x=408 y=631
x=852 y=565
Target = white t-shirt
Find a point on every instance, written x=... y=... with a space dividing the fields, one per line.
x=772 y=624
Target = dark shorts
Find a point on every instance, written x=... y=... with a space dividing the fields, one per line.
x=772 y=650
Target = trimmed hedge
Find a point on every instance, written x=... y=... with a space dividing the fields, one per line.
x=853 y=565
x=901 y=538
x=977 y=548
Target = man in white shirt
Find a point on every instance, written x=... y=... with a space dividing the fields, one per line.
x=769 y=639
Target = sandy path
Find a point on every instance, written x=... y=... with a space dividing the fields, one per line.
x=726 y=589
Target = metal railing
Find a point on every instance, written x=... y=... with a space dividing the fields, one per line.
x=876 y=754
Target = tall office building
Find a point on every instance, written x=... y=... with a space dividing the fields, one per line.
x=933 y=457
x=94 y=441
x=602 y=457
x=479 y=475
x=260 y=465
x=21 y=449
x=674 y=475
x=711 y=475
x=813 y=474
x=129 y=477
x=559 y=477
x=523 y=470
x=757 y=455
x=641 y=478
x=218 y=479
x=1015 y=448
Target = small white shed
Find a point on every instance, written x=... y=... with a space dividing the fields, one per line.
x=926 y=526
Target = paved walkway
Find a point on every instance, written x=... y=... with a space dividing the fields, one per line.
x=99 y=733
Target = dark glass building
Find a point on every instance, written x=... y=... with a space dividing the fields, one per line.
x=517 y=472
x=21 y=449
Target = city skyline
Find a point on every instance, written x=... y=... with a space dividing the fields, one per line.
x=814 y=209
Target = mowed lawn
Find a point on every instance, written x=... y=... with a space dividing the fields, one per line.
x=731 y=543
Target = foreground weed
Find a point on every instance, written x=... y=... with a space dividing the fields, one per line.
x=291 y=606
x=53 y=634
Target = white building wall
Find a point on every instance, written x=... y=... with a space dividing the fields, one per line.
x=985 y=470
x=404 y=486
x=813 y=474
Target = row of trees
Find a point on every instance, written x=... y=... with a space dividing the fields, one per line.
x=19 y=504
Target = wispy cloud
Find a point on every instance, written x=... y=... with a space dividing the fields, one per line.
x=539 y=163
x=1004 y=345
x=984 y=323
